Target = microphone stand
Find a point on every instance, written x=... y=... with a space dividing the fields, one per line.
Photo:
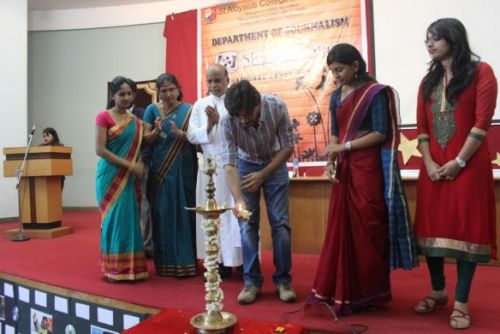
x=20 y=236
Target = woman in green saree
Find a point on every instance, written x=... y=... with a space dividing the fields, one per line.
x=118 y=143
x=172 y=180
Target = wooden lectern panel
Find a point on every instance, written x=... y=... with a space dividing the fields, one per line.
x=308 y=212
x=40 y=187
x=41 y=161
x=41 y=201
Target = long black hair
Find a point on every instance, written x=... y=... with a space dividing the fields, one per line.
x=347 y=54
x=115 y=87
x=53 y=132
x=464 y=61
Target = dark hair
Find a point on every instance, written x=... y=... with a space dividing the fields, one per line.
x=347 y=54
x=132 y=85
x=53 y=132
x=115 y=87
x=241 y=95
x=463 y=66
x=167 y=77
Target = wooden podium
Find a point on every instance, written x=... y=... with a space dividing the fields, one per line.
x=40 y=188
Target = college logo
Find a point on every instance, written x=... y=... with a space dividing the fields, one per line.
x=227 y=59
x=209 y=15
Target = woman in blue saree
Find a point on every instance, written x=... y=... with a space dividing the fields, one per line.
x=172 y=180
x=118 y=143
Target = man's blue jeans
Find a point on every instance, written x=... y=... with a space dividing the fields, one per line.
x=276 y=197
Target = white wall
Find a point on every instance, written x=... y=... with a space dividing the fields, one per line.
x=113 y=16
x=69 y=71
x=400 y=54
x=72 y=55
x=13 y=91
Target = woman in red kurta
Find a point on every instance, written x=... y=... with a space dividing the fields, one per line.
x=455 y=214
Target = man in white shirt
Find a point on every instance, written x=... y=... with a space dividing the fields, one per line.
x=204 y=130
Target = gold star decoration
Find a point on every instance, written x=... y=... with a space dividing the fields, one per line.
x=408 y=148
x=497 y=160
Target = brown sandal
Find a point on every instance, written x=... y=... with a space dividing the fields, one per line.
x=460 y=321
x=428 y=304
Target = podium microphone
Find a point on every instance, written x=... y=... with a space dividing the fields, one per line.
x=33 y=130
x=20 y=235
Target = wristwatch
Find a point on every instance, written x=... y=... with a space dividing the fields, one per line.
x=348 y=146
x=461 y=163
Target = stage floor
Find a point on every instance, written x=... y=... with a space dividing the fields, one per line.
x=71 y=262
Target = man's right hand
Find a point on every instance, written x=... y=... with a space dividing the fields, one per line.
x=238 y=207
x=212 y=117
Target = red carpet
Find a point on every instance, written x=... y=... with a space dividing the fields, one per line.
x=71 y=262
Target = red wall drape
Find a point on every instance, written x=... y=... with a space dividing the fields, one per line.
x=180 y=31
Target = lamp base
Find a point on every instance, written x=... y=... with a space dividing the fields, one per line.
x=200 y=321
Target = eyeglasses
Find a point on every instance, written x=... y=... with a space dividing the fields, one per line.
x=168 y=90
x=433 y=39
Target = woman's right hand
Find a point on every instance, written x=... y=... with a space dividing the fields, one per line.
x=136 y=168
x=330 y=172
x=432 y=170
x=158 y=124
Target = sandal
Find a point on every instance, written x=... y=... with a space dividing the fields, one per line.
x=459 y=321
x=428 y=304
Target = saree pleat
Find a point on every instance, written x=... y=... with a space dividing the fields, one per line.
x=354 y=263
x=118 y=195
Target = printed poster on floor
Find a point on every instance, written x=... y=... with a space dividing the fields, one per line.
x=41 y=322
x=2 y=308
x=99 y=330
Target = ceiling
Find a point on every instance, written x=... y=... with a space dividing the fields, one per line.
x=75 y=4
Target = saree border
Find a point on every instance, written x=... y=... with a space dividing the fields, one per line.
x=178 y=146
x=120 y=180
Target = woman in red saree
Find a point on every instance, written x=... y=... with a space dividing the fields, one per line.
x=455 y=214
x=368 y=231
